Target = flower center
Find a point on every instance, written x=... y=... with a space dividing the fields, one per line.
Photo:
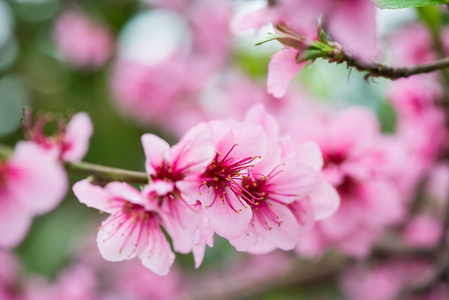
x=222 y=173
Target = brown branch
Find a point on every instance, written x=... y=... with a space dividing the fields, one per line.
x=385 y=71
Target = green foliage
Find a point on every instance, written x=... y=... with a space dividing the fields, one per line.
x=394 y=4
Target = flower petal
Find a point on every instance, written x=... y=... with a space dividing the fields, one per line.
x=158 y=256
x=281 y=70
x=282 y=232
x=324 y=199
x=156 y=150
x=224 y=220
x=14 y=222
x=76 y=139
x=93 y=196
x=39 y=181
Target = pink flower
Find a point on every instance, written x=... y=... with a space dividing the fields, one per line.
x=273 y=192
x=70 y=143
x=170 y=169
x=278 y=192
x=83 y=42
x=132 y=229
x=32 y=182
x=239 y=146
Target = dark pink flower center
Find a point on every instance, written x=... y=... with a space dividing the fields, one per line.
x=223 y=172
x=348 y=187
x=167 y=172
x=333 y=159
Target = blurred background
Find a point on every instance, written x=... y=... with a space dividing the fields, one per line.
x=158 y=66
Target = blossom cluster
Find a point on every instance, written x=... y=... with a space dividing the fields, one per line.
x=226 y=177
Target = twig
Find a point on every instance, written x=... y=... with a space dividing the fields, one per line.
x=102 y=173
x=380 y=70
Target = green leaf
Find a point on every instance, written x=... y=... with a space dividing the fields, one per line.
x=394 y=4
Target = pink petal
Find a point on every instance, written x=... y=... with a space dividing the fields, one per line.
x=121 y=239
x=258 y=114
x=158 y=256
x=251 y=140
x=304 y=214
x=204 y=235
x=124 y=191
x=248 y=239
x=294 y=179
x=256 y=19
x=352 y=23
x=195 y=147
x=281 y=70
x=156 y=150
x=353 y=129
x=39 y=180
x=325 y=200
x=225 y=221
x=93 y=196
x=262 y=247
x=14 y=222
x=160 y=187
x=182 y=227
x=78 y=132
x=309 y=153
x=283 y=232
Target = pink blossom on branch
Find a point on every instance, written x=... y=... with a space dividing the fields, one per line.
x=132 y=229
x=32 y=182
x=171 y=168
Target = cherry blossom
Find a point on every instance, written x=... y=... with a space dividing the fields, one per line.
x=132 y=229
x=169 y=168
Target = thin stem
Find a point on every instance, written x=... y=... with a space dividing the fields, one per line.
x=102 y=173
x=107 y=174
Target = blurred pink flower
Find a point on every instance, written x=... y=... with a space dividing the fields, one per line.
x=414 y=100
x=411 y=45
x=85 y=43
x=385 y=280
x=133 y=229
x=32 y=182
x=70 y=143
x=78 y=282
x=130 y=280
x=369 y=199
x=423 y=231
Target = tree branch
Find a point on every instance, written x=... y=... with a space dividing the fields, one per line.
x=101 y=173
x=380 y=70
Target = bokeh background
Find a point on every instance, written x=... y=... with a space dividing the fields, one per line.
x=160 y=67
